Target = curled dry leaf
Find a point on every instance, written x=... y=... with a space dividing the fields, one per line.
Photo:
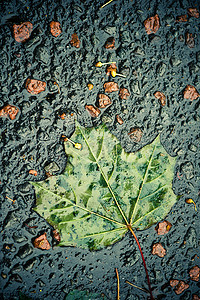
x=135 y=134
x=189 y=40
x=35 y=86
x=9 y=111
x=190 y=92
x=180 y=286
x=94 y=111
x=110 y=87
x=41 y=242
x=119 y=120
x=152 y=24
x=22 y=32
x=103 y=101
x=55 y=28
x=163 y=227
x=193 y=12
x=124 y=93
x=110 y=43
x=33 y=172
x=194 y=273
x=158 y=250
x=182 y=18
x=75 y=42
x=161 y=97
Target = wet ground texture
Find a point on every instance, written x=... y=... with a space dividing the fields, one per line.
x=48 y=79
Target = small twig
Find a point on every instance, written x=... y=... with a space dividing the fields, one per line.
x=106 y=3
x=13 y=201
x=118 y=297
x=137 y=287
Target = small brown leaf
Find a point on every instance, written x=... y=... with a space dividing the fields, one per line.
x=75 y=42
x=194 y=273
x=124 y=93
x=190 y=92
x=22 y=32
x=10 y=111
x=103 y=101
x=94 y=111
x=110 y=87
x=41 y=242
x=158 y=250
x=33 y=172
x=135 y=134
x=163 y=227
x=152 y=24
x=189 y=40
x=119 y=119
x=35 y=86
x=161 y=97
x=55 y=28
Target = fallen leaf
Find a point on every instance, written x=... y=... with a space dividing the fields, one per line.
x=110 y=87
x=163 y=227
x=158 y=250
x=41 y=242
x=103 y=101
x=75 y=42
x=10 y=111
x=105 y=190
x=190 y=92
x=33 y=172
x=22 y=32
x=55 y=28
x=124 y=93
x=35 y=86
x=194 y=273
x=93 y=111
x=161 y=97
x=182 y=18
x=152 y=24
x=110 y=43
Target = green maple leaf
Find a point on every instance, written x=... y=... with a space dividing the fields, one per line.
x=104 y=191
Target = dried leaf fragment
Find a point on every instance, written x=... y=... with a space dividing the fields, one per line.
x=182 y=18
x=94 y=111
x=103 y=101
x=181 y=287
x=189 y=40
x=75 y=42
x=119 y=120
x=124 y=93
x=161 y=97
x=110 y=87
x=110 y=43
x=55 y=28
x=10 y=111
x=33 y=172
x=152 y=24
x=194 y=273
x=135 y=134
x=195 y=297
x=41 y=242
x=35 y=86
x=22 y=32
x=193 y=12
x=190 y=92
x=163 y=227
x=90 y=86
x=158 y=250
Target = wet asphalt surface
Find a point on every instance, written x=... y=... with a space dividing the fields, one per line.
x=160 y=62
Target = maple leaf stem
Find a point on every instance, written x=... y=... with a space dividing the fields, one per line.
x=144 y=263
x=118 y=296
